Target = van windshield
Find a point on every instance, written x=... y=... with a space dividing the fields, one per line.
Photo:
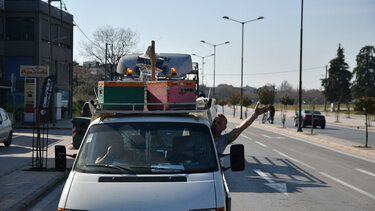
x=147 y=148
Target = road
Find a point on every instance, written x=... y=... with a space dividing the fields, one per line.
x=349 y=134
x=50 y=201
x=284 y=173
x=19 y=155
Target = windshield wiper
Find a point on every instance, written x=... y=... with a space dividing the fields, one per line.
x=112 y=166
x=156 y=168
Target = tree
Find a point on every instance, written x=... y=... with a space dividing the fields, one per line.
x=367 y=105
x=222 y=102
x=337 y=85
x=285 y=87
x=118 y=41
x=266 y=95
x=364 y=83
x=285 y=100
x=246 y=102
x=234 y=100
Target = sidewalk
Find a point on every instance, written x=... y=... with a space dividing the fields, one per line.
x=355 y=121
x=22 y=187
x=64 y=123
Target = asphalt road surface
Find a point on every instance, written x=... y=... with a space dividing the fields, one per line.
x=21 y=148
x=349 y=134
x=18 y=156
x=50 y=201
x=284 y=173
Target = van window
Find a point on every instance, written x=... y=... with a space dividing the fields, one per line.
x=147 y=148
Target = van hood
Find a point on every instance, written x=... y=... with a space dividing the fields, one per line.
x=141 y=192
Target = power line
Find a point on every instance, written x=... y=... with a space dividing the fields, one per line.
x=84 y=34
x=75 y=23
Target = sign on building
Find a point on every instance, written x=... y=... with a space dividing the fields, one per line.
x=30 y=99
x=34 y=71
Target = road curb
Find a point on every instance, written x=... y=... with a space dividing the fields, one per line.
x=40 y=192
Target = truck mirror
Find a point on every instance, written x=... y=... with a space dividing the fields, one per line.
x=60 y=158
x=237 y=157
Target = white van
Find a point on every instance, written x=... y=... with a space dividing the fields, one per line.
x=148 y=162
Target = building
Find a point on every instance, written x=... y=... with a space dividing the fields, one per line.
x=87 y=72
x=24 y=40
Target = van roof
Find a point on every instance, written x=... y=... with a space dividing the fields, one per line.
x=185 y=118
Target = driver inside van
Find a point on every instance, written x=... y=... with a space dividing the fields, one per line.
x=115 y=150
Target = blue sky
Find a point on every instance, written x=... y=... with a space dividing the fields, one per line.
x=271 y=45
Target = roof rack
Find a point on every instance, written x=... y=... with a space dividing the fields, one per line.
x=198 y=107
x=204 y=107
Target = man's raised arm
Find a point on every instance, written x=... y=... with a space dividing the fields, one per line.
x=233 y=135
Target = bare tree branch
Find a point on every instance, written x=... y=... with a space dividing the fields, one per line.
x=119 y=41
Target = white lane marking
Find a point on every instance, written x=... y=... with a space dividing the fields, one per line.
x=246 y=137
x=293 y=138
x=277 y=137
x=295 y=160
x=365 y=172
x=261 y=144
x=348 y=185
x=281 y=187
x=266 y=136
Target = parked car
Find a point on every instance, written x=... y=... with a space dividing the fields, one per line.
x=6 y=129
x=319 y=119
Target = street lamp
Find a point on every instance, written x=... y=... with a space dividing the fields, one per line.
x=300 y=74
x=202 y=57
x=243 y=24
x=214 y=45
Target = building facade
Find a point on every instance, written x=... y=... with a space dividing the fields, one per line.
x=25 y=28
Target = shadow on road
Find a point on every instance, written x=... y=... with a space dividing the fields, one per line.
x=261 y=173
x=14 y=150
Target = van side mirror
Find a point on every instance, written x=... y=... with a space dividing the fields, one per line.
x=237 y=157
x=60 y=158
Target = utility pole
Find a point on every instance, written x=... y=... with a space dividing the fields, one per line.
x=51 y=66
x=51 y=69
x=300 y=73
x=105 y=61
x=325 y=88
x=153 y=59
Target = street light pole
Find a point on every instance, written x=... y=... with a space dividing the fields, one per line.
x=300 y=74
x=243 y=26
x=202 y=57
x=214 y=45
x=241 y=100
